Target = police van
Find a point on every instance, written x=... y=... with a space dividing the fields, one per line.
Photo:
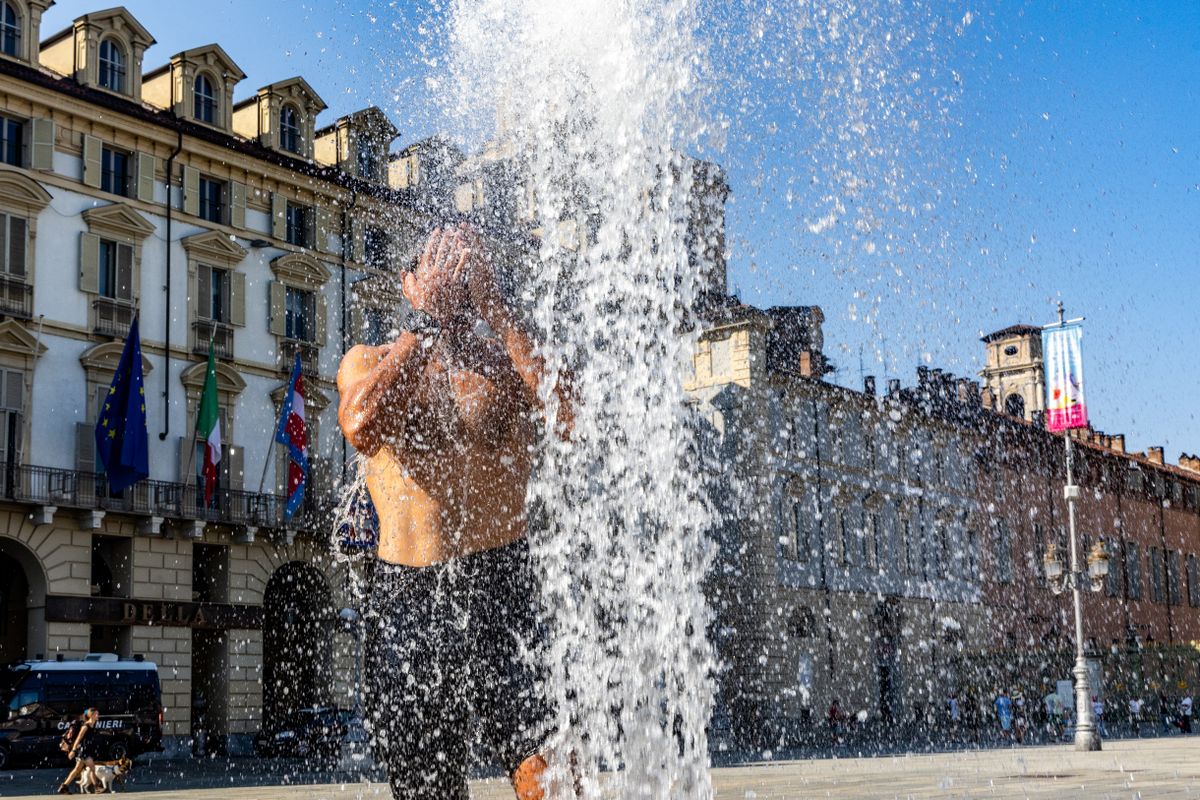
x=39 y=699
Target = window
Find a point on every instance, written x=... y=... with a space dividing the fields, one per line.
x=1174 y=582
x=116 y=270
x=213 y=291
x=212 y=195
x=1156 y=576
x=13 y=241
x=204 y=100
x=1133 y=570
x=378 y=329
x=376 y=247
x=1112 y=583
x=112 y=66
x=10 y=31
x=297 y=224
x=368 y=161
x=12 y=141
x=1004 y=553
x=803 y=519
x=299 y=315
x=114 y=171
x=1193 y=580
x=912 y=549
x=289 y=129
x=12 y=394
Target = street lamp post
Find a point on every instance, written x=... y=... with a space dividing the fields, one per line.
x=1086 y=735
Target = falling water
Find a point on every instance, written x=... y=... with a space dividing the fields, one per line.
x=595 y=104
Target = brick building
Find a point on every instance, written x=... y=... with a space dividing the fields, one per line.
x=885 y=549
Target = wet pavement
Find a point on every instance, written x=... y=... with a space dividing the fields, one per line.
x=1147 y=768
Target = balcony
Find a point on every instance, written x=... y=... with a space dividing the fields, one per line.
x=112 y=317
x=16 y=297
x=309 y=356
x=219 y=333
x=87 y=491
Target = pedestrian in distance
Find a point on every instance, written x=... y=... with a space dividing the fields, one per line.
x=1098 y=714
x=1185 y=713
x=79 y=744
x=955 y=713
x=1053 y=705
x=1004 y=714
x=1164 y=711
x=1020 y=717
x=1135 y=714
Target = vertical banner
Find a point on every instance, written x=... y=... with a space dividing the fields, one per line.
x=1065 y=406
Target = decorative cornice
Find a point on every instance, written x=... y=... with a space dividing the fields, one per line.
x=228 y=379
x=214 y=246
x=120 y=220
x=104 y=358
x=301 y=268
x=18 y=189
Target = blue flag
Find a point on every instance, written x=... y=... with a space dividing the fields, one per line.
x=122 y=442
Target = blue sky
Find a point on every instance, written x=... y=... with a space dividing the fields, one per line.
x=1067 y=165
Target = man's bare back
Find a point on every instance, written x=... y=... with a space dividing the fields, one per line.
x=444 y=416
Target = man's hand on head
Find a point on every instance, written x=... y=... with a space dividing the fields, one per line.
x=482 y=285
x=436 y=286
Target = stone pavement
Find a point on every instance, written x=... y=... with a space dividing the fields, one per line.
x=1144 y=769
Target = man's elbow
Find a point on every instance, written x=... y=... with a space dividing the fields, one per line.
x=359 y=430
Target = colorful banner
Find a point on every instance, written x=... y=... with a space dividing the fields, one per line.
x=1063 y=357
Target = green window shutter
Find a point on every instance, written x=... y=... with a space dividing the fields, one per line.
x=15 y=243
x=320 y=313
x=41 y=145
x=89 y=263
x=358 y=325
x=185 y=442
x=85 y=447
x=237 y=204
x=278 y=216
x=145 y=177
x=191 y=191
x=204 y=292
x=277 y=324
x=92 y=149
x=232 y=464
x=237 y=298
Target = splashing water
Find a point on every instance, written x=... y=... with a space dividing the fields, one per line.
x=594 y=102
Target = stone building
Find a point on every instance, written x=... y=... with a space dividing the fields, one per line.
x=156 y=194
x=886 y=549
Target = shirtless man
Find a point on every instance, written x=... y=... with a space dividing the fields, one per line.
x=446 y=418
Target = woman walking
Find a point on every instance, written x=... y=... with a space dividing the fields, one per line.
x=81 y=746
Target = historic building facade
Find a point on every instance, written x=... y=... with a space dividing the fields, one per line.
x=152 y=194
x=885 y=549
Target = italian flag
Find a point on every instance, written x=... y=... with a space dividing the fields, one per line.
x=208 y=428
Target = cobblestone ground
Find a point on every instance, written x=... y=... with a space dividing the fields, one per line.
x=1144 y=769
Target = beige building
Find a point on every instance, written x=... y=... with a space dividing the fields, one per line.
x=156 y=193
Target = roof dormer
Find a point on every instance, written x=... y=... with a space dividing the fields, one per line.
x=281 y=116
x=196 y=84
x=20 y=28
x=358 y=144
x=103 y=49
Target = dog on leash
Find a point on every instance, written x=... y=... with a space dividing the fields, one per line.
x=104 y=776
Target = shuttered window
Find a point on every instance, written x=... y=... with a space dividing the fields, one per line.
x=116 y=270
x=212 y=200
x=114 y=171
x=213 y=293
x=14 y=239
x=299 y=315
x=298 y=227
x=12 y=394
x=12 y=141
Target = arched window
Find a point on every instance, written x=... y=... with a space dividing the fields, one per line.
x=1014 y=406
x=289 y=129
x=112 y=66
x=10 y=30
x=204 y=101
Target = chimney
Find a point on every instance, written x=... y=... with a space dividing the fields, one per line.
x=987 y=399
x=1118 y=442
x=869 y=385
x=922 y=375
x=1155 y=454
x=1190 y=463
x=806 y=365
x=893 y=387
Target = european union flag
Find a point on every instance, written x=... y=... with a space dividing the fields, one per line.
x=122 y=442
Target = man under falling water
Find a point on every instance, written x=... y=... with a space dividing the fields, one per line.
x=446 y=419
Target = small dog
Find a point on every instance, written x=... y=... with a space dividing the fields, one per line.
x=105 y=776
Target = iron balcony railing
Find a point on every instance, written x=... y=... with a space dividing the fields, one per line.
x=219 y=333
x=309 y=355
x=67 y=488
x=113 y=317
x=16 y=297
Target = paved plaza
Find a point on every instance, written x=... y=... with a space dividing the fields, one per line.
x=1150 y=768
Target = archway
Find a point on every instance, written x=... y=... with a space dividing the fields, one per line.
x=297 y=642
x=22 y=603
